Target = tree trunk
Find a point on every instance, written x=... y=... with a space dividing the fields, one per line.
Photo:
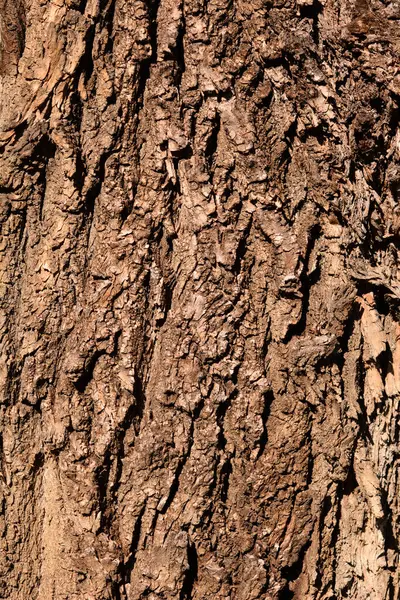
x=200 y=334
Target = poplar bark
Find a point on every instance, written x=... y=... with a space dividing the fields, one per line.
x=200 y=326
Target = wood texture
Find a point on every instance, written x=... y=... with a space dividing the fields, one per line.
x=200 y=336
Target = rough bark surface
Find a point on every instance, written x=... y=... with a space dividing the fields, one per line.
x=200 y=326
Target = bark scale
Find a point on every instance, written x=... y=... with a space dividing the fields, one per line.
x=200 y=338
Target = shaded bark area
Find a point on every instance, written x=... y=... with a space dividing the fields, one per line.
x=200 y=337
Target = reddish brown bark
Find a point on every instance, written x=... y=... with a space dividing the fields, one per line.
x=200 y=343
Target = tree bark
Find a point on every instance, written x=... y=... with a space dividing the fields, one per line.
x=200 y=335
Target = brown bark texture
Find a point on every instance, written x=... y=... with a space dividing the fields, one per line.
x=200 y=325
